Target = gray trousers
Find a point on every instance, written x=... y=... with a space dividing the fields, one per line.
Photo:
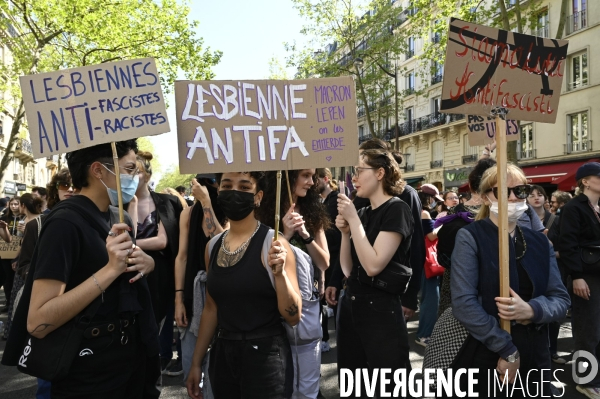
x=586 y=322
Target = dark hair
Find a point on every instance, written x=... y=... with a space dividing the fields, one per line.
x=378 y=144
x=40 y=190
x=540 y=190
x=144 y=158
x=180 y=189
x=259 y=177
x=314 y=212
x=425 y=199
x=480 y=167
x=33 y=204
x=79 y=161
x=62 y=176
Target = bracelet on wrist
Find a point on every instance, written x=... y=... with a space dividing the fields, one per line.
x=178 y=290
x=308 y=240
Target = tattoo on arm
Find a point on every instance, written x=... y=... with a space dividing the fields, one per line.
x=211 y=227
x=292 y=310
x=40 y=328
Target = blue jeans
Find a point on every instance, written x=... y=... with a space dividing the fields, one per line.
x=43 y=389
x=165 y=336
x=430 y=299
x=188 y=343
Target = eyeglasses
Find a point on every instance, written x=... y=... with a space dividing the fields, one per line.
x=357 y=169
x=130 y=171
x=64 y=186
x=452 y=198
x=521 y=191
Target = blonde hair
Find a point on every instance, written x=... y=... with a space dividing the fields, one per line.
x=174 y=192
x=489 y=180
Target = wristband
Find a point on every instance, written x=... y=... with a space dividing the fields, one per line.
x=100 y=288
x=178 y=290
x=308 y=240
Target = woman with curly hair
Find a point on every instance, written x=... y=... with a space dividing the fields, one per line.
x=60 y=188
x=374 y=239
x=303 y=223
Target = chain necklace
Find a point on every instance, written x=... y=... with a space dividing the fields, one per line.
x=594 y=210
x=227 y=258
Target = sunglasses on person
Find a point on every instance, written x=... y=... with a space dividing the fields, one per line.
x=62 y=186
x=521 y=191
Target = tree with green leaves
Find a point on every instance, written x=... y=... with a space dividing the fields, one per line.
x=173 y=178
x=48 y=35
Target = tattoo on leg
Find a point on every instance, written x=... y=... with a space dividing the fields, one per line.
x=40 y=328
x=292 y=310
x=210 y=222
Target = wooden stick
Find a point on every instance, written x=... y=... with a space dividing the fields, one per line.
x=277 y=205
x=503 y=234
x=118 y=176
x=287 y=179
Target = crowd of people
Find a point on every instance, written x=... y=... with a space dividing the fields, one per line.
x=250 y=292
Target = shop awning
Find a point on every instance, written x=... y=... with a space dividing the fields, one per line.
x=414 y=180
x=560 y=174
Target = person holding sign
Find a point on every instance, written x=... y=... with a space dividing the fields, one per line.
x=251 y=286
x=85 y=263
x=538 y=295
x=11 y=217
x=372 y=332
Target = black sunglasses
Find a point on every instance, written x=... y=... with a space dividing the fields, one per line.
x=521 y=192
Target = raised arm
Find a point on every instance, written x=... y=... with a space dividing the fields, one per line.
x=210 y=224
x=180 y=266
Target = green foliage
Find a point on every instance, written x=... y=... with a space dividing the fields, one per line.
x=277 y=70
x=144 y=144
x=172 y=178
x=47 y=35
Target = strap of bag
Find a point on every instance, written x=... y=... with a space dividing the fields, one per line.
x=265 y=254
x=89 y=313
x=39 y=223
x=297 y=359
x=212 y=242
x=551 y=220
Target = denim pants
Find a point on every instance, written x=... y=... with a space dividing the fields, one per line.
x=188 y=344
x=372 y=333
x=255 y=368
x=430 y=299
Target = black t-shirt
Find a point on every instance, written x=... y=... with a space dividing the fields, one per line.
x=394 y=216
x=71 y=251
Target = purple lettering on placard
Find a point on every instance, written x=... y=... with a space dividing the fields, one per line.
x=334 y=144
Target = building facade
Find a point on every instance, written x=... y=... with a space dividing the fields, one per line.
x=435 y=145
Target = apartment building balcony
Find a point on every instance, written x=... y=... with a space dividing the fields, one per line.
x=436 y=164
x=578 y=146
x=387 y=136
x=469 y=158
x=576 y=22
x=577 y=84
x=409 y=54
x=527 y=154
x=543 y=31
x=23 y=150
x=426 y=122
x=437 y=78
x=410 y=168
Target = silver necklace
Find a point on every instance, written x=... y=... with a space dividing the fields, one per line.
x=241 y=247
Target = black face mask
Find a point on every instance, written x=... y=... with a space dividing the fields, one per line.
x=236 y=205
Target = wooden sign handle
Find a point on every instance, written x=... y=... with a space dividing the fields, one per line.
x=287 y=179
x=277 y=205
x=118 y=176
x=503 y=234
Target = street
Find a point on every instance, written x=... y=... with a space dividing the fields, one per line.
x=15 y=385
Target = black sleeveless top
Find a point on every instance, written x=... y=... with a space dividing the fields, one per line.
x=244 y=294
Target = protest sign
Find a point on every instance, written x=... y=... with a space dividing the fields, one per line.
x=10 y=250
x=226 y=126
x=81 y=107
x=487 y=68
x=482 y=129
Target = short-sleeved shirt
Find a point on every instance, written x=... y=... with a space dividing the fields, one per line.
x=394 y=216
x=71 y=251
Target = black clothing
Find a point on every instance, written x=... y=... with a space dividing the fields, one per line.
x=417 y=248
x=243 y=293
x=578 y=228
x=447 y=236
x=393 y=216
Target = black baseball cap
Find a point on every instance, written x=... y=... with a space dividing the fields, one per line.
x=588 y=169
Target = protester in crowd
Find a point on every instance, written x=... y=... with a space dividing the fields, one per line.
x=328 y=191
x=536 y=200
x=464 y=197
x=176 y=194
x=246 y=298
x=303 y=223
x=430 y=287
x=31 y=207
x=60 y=188
x=434 y=198
x=462 y=215
x=83 y=260
x=11 y=217
x=547 y=206
x=181 y=191
x=558 y=200
x=537 y=294
x=157 y=234
x=42 y=193
x=450 y=200
x=3 y=205
x=580 y=235
x=372 y=334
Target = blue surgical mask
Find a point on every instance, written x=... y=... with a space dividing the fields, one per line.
x=129 y=185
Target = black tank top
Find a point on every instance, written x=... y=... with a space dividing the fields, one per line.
x=245 y=297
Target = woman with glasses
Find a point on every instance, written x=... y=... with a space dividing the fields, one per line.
x=372 y=332
x=537 y=295
x=450 y=200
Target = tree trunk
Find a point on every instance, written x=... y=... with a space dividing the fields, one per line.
x=13 y=139
x=564 y=6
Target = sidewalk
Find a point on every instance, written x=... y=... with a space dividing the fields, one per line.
x=15 y=385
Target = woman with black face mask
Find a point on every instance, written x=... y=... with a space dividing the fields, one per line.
x=249 y=290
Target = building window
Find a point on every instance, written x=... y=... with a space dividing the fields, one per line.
x=543 y=25
x=410 y=158
x=410 y=47
x=410 y=83
x=436 y=104
x=578 y=129
x=525 y=144
x=437 y=154
x=578 y=19
x=578 y=75
x=437 y=74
